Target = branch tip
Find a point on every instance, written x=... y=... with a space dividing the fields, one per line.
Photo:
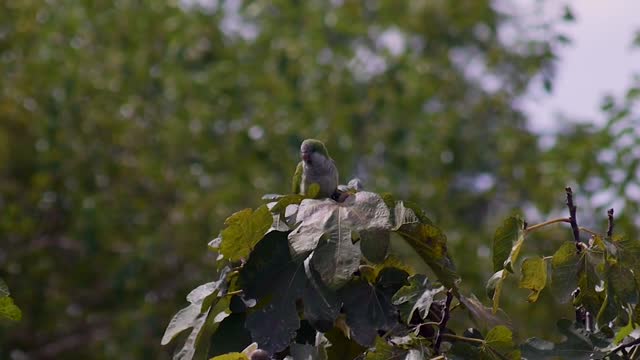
x=610 y=227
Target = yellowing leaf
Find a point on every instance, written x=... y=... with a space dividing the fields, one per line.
x=534 y=276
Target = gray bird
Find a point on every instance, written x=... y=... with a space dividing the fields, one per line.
x=316 y=167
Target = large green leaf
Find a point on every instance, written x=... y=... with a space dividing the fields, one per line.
x=588 y=281
x=336 y=259
x=278 y=282
x=267 y=262
x=374 y=244
x=341 y=347
x=507 y=242
x=564 y=275
x=231 y=335
x=244 y=230
x=622 y=282
x=359 y=212
x=499 y=344
x=418 y=295
x=367 y=310
x=9 y=310
x=534 y=276
x=275 y=325
x=431 y=245
x=321 y=304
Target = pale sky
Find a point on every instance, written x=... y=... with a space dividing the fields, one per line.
x=599 y=61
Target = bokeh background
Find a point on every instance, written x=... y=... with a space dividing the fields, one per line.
x=130 y=129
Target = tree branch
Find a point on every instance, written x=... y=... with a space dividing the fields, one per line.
x=625 y=345
x=572 y=218
x=443 y=322
x=610 y=227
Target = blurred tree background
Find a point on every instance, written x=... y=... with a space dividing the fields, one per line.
x=130 y=129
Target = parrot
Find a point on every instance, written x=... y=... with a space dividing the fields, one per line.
x=316 y=167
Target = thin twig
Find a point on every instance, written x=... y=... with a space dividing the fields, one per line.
x=463 y=338
x=589 y=231
x=624 y=346
x=443 y=322
x=610 y=227
x=543 y=224
x=572 y=217
x=237 y=292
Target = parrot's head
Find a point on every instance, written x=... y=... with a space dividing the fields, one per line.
x=313 y=150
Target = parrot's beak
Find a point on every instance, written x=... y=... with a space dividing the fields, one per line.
x=306 y=156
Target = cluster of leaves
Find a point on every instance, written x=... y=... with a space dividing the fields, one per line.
x=315 y=279
x=316 y=275
x=8 y=310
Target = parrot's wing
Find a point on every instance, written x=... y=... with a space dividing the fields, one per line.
x=297 y=179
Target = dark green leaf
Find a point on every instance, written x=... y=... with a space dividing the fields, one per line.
x=534 y=276
x=507 y=242
x=588 y=280
x=244 y=230
x=578 y=345
x=431 y=244
x=262 y=324
x=564 y=276
x=367 y=310
x=342 y=348
x=230 y=336
x=622 y=283
x=374 y=244
x=321 y=305
x=418 y=295
x=268 y=261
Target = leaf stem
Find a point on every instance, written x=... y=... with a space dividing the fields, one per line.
x=463 y=338
x=237 y=292
x=543 y=224
x=589 y=231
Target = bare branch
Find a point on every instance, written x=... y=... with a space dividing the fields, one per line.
x=573 y=219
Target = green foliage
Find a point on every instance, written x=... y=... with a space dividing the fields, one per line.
x=8 y=310
x=289 y=279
